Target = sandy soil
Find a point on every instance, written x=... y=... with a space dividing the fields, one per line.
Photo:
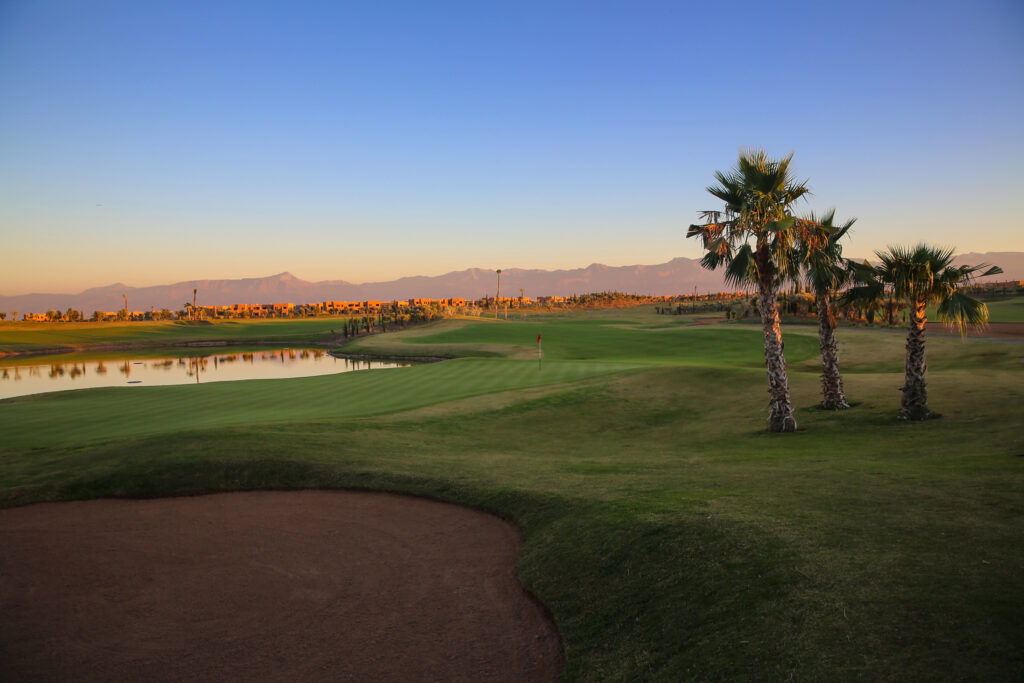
x=291 y=586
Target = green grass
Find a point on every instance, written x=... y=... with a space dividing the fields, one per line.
x=97 y=414
x=670 y=535
x=1010 y=310
x=1007 y=310
x=21 y=337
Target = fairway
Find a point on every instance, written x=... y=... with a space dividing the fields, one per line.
x=96 y=414
x=671 y=536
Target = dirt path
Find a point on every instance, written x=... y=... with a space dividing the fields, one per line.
x=311 y=585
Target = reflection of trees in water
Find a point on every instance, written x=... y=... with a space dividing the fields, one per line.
x=196 y=366
x=193 y=367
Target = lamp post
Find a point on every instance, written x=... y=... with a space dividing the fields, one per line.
x=497 y=299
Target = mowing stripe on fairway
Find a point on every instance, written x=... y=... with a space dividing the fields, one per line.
x=75 y=417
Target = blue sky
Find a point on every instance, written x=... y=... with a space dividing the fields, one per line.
x=151 y=142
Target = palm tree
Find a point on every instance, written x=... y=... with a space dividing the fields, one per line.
x=920 y=276
x=759 y=195
x=825 y=272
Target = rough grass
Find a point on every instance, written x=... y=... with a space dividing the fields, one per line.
x=21 y=337
x=671 y=536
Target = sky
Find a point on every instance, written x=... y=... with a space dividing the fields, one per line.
x=162 y=141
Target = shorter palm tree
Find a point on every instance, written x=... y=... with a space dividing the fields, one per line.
x=920 y=276
x=825 y=272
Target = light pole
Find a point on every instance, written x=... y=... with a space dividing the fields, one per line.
x=497 y=299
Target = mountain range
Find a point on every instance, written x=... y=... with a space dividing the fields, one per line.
x=678 y=276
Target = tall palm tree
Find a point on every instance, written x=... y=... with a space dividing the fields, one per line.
x=825 y=271
x=754 y=237
x=920 y=276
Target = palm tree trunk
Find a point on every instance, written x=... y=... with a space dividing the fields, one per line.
x=780 y=410
x=831 y=381
x=914 y=405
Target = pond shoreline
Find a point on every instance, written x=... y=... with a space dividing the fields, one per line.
x=370 y=356
x=84 y=348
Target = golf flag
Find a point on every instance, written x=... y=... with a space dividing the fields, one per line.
x=538 y=352
x=538 y=339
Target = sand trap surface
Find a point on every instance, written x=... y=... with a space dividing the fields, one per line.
x=310 y=585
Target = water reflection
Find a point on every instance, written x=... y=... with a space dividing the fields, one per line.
x=27 y=378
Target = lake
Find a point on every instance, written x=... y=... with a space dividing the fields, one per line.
x=155 y=367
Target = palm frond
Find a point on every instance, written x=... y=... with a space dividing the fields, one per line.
x=863 y=295
x=960 y=310
x=742 y=268
x=714 y=258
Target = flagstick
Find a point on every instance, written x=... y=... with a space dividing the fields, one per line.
x=539 y=353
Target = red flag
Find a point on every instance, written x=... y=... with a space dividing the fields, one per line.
x=538 y=339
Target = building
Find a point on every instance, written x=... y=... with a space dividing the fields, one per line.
x=281 y=309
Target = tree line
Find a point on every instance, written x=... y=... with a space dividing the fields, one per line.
x=758 y=241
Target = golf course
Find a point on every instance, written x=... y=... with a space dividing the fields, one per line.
x=671 y=536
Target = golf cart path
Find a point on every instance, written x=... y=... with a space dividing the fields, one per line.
x=305 y=585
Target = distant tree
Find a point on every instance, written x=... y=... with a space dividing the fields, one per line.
x=3 y=316
x=920 y=276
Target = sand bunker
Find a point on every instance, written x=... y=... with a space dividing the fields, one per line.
x=266 y=585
